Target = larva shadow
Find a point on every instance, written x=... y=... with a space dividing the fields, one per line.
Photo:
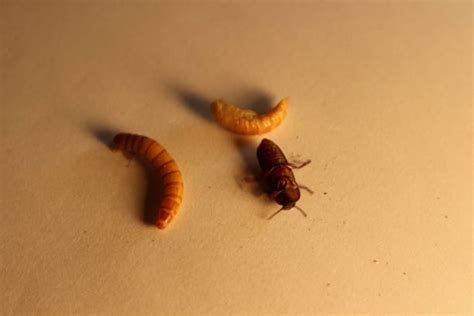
x=154 y=193
x=103 y=134
x=155 y=186
x=154 y=190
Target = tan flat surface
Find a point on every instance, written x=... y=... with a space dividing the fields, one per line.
x=380 y=100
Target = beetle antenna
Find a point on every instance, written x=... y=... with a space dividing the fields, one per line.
x=275 y=213
x=301 y=210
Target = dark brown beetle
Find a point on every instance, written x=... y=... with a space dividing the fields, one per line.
x=278 y=176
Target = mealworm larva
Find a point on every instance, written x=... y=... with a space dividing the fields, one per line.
x=166 y=167
x=248 y=122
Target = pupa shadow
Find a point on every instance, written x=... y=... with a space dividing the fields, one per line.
x=257 y=101
x=201 y=105
x=192 y=100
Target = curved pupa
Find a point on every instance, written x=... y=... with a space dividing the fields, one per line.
x=248 y=122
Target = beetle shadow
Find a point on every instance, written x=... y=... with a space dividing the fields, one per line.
x=155 y=187
x=249 y=177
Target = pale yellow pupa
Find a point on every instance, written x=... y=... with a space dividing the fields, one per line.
x=248 y=122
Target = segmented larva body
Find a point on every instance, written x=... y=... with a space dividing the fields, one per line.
x=166 y=167
x=248 y=122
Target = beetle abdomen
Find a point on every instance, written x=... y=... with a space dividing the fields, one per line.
x=269 y=155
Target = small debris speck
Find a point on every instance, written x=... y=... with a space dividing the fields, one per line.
x=404 y=273
x=375 y=261
x=446 y=216
x=325 y=193
x=328 y=284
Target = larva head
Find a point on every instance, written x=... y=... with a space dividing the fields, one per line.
x=161 y=224
x=163 y=218
x=119 y=141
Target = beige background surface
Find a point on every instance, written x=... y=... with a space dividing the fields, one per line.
x=380 y=100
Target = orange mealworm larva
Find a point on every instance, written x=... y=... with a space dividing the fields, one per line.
x=166 y=167
x=248 y=122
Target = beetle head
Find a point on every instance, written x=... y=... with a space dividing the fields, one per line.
x=288 y=197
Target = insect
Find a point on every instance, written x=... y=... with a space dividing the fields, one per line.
x=278 y=176
x=166 y=167
x=248 y=122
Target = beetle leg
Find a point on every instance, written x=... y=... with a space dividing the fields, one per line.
x=301 y=210
x=292 y=165
x=305 y=188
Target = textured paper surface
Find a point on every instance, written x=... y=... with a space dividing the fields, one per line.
x=380 y=100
